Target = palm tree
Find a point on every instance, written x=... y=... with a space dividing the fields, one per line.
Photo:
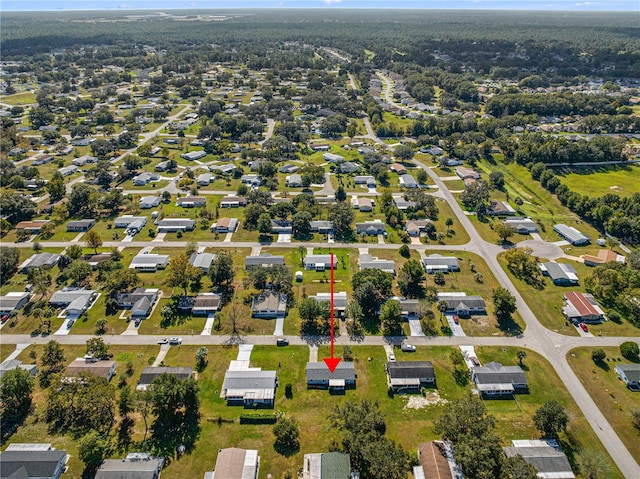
x=521 y=355
x=442 y=307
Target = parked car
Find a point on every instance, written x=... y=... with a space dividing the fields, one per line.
x=4 y=318
x=282 y=342
x=163 y=341
x=392 y=357
x=584 y=327
x=175 y=341
x=474 y=360
x=456 y=319
x=408 y=348
x=70 y=323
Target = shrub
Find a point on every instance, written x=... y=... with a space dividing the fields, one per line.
x=630 y=350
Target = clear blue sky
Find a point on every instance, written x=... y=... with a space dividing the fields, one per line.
x=575 y=5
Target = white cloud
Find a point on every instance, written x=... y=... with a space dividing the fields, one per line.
x=331 y=2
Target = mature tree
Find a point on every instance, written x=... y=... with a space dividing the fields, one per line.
x=9 y=259
x=97 y=348
x=16 y=207
x=550 y=419
x=202 y=358
x=635 y=419
x=411 y=278
x=517 y=468
x=251 y=214
x=301 y=224
x=462 y=417
x=286 y=432
x=496 y=180
x=521 y=354
x=55 y=187
x=524 y=265
x=16 y=387
x=481 y=456
x=73 y=252
x=78 y=271
x=181 y=272
x=504 y=303
x=314 y=317
x=598 y=355
x=341 y=194
x=221 y=271
x=475 y=194
x=51 y=362
x=361 y=427
x=83 y=200
x=391 y=318
x=594 y=465
x=126 y=401
x=342 y=216
x=404 y=152
x=630 y=350
x=370 y=289
x=81 y=406
x=503 y=231
x=93 y=240
x=264 y=224
x=176 y=407
x=312 y=175
x=92 y=449
x=354 y=315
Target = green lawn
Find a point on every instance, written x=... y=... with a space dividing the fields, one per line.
x=613 y=398
x=22 y=98
x=596 y=182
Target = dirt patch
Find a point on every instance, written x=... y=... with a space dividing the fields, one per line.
x=420 y=402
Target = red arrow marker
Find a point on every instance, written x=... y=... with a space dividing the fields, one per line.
x=332 y=362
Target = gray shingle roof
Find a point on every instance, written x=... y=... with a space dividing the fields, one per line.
x=319 y=371
x=36 y=464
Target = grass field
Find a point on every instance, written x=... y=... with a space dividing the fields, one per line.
x=220 y=424
x=613 y=398
x=596 y=182
x=22 y=98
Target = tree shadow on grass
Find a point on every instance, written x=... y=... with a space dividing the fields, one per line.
x=287 y=450
x=509 y=327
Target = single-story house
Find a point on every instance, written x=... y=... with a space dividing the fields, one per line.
x=445 y=264
x=494 y=379
x=340 y=301
x=410 y=376
x=95 y=259
x=134 y=224
x=328 y=465
x=398 y=168
x=12 y=302
x=433 y=150
x=191 y=201
x=137 y=465
x=33 y=227
x=149 y=262
x=604 y=256
x=39 y=260
x=74 y=300
x=433 y=461
x=256 y=164
x=571 y=234
x=148 y=202
x=225 y=225
x=332 y=158
x=145 y=178
x=68 y=170
x=366 y=261
x=202 y=260
x=466 y=173
x=363 y=204
x=349 y=167
x=281 y=227
x=264 y=260
x=582 y=307
x=163 y=165
x=408 y=181
x=402 y=204
x=343 y=377
x=409 y=308
x=320 y=262
x=11 y=364
x=32 y=461
x=521 y=225
x=461 y=304
x=152 y=372
x=371 y=228
x=630 y=374
x=500 y=208
x=320 y=146
x=171 y=225
x=140 y=301
x=249 y=388
x=369 y=181
x=545 y=455
x=416 y=227
x=42 y=160
x=233 y=201
x=321 y=226
x=83 y=160
x=269 y=305
x=288 y=168
x=194 y=155
x=155 y=150
x=293 y=181
x=81 y=225
x=226 y=168
x=204 y=179
x=561 y=274
x=235 y=463
x=105 y=368
x=251 y=180
x=205 y=303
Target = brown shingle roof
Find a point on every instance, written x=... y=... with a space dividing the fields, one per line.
x=434 y=461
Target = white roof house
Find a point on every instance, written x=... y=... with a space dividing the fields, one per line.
x=149 y=262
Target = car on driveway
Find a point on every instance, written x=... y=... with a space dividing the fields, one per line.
x=584 y=327
x=392 y=357
x=408 y=348
x=474 y=360
x=282 y=342
x=163 y=341
x=456 y=319
x=4 y=318
x=175 y=340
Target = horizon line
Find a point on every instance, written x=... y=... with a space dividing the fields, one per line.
x=330 y=8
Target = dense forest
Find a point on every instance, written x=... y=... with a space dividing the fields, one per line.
x=500 y=44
